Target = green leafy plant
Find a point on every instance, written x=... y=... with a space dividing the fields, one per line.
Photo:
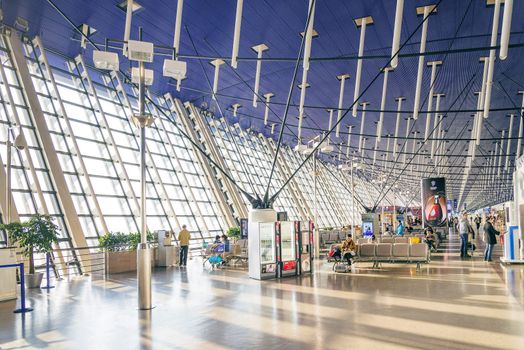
x=233 y=232
x=134 y=239
x=118 y=241
x=34 y=236
x=113 y=241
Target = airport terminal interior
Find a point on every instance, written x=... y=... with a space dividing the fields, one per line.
x=261 y=174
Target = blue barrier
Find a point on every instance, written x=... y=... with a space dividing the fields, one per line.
x=47 y=269
x=22 y=309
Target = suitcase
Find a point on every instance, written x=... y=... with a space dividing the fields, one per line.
x=342 y=268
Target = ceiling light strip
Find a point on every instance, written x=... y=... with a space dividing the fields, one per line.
x=362 y=124
x=342 y=79
x=508 y=147
x=178 y=27
x=396 y=33
x=491 y=67
x=258 y=49
x=362 y=22
x=127 y=28
x=519 y=143
x=236 y=34
x=506 y=28
x=397 y=124
x=433 y=65
x=427 y=11
x=383 y=102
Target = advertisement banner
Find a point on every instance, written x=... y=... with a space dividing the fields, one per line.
x=434 y=204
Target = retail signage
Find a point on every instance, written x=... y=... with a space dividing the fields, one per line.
x=434 y=204
x=455 y=204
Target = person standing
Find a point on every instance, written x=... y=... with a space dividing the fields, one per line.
x=183 y=239
x=400 y=229
x=464 y=228
x=491 y=238
x=477 y=223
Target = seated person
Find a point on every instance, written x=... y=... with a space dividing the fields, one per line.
x=217 y=240
x=387 y=232
x=349 y=249
x=335 y=252
x=430 y=238
x=225 y=244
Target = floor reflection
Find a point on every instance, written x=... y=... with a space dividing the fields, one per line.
x=450 y=303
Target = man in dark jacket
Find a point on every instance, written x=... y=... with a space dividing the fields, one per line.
x=491 y=238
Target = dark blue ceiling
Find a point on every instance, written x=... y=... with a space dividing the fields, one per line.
x=278 y=23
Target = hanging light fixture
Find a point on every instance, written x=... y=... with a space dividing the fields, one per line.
x=433 y=65
x=342 y=78
x=216 y=63
x=399 y=11
x=362 y=23
x=501 y=148
x=330 y=125
x=397 y=123
x=302 y=88
x=350 y=131
x=258 y=49
x=508 y=147
x=435 y=122
x=178 y=26
x=383 y=102
x=492 y=52
x=408 y=122
x=127 y=27
x=266 y=109
x=480 y=101
x=521 y=116
x=362 y=124
x=425 y=11
x=506 y=29
x=235 y=107
x=236 y=33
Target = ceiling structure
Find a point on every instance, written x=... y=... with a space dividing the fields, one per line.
x=458 y=35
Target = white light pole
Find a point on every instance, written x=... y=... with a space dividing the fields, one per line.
x=142 y=121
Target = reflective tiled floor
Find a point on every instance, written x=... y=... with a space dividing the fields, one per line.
x=449 y=304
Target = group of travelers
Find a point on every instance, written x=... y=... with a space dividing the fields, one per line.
x=467 y=234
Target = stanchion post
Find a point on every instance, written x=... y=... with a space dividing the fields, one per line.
x=22 y=309
x=47 y=268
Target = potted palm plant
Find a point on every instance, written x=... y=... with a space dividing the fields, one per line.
x=233 y=233
x=34 y=236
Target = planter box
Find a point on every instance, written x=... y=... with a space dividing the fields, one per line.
x=125 y=261
x=118 y=262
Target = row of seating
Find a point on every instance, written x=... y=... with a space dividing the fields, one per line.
x=392 y=253
x=328 y=237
